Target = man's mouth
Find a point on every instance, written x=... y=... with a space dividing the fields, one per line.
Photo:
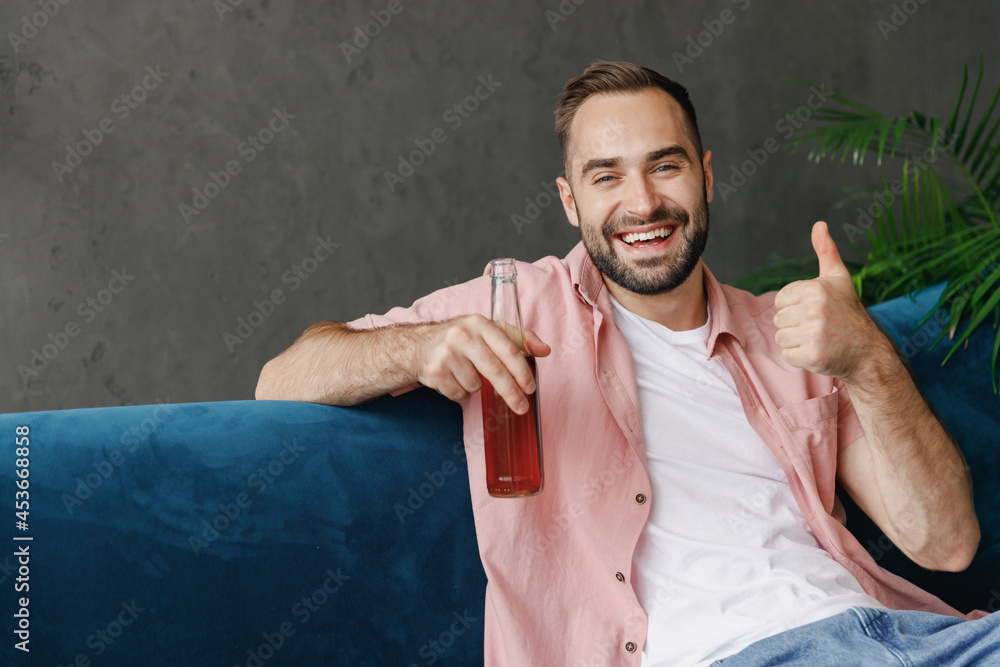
x=649 y=238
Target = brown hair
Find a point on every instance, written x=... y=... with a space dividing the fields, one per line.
x=603 y=77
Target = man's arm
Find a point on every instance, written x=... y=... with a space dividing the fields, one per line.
x=906 y=473
x=334 y=364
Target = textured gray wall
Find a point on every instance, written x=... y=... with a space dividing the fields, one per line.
x=198 y=82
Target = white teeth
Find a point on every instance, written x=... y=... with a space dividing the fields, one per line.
x=646 y=236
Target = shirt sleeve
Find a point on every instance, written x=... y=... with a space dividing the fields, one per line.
x=848 y=425
x=444 y=304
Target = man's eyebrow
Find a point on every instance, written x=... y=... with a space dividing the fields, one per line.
x=670 y=151
x=600 y=163
x=606 y=162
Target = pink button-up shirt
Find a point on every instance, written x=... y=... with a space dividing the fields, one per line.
x=559 y=564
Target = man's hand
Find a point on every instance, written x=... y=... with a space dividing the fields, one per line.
x=457 y=352
x=822 y=325
x=334 y=364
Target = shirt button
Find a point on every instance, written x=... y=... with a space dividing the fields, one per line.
x=640 y=498
x=630 y=647
x=619 y=576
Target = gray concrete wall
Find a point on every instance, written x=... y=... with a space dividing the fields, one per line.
x=161 y=95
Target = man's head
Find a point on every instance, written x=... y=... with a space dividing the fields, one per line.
x=617 y=78
x=634 y=164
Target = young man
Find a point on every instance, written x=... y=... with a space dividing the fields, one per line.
x=692 y=432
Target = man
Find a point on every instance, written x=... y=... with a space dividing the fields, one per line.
x=692 y=433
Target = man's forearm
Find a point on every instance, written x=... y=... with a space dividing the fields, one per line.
x=923 y=478
x=333 y=364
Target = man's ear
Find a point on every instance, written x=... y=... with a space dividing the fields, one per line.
x=706 y=167
x=566 y=195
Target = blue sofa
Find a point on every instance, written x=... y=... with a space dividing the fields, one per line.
x=277 y=533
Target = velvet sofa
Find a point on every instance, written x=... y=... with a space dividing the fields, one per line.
x=278 y=533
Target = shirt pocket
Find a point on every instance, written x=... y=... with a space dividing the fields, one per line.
x=811 y=427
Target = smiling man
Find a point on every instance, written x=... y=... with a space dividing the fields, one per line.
x=693 y=433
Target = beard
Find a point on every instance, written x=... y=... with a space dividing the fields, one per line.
x=654 y=275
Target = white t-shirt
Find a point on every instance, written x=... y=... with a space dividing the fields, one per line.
x=726 y=557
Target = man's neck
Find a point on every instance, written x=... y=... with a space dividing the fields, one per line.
x=682 y=309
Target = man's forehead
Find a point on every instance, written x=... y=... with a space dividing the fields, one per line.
x=607 y=123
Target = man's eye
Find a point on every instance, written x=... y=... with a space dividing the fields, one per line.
x=665 y=167
x=605 y=179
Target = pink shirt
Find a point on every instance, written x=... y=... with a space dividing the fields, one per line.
x=559 y=564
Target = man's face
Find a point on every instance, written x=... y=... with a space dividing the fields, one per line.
x=633 y=169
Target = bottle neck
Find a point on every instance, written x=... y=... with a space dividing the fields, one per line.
x=505 y=309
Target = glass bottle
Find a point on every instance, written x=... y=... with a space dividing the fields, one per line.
x=513 y=442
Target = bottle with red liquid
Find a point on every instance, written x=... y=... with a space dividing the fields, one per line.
x=513 y=442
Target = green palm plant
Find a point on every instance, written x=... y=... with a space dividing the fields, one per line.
x=937 y=221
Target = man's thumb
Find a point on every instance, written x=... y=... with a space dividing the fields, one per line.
x=535 y=345
x=830 y=263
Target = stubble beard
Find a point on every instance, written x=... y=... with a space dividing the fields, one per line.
x=655 y=275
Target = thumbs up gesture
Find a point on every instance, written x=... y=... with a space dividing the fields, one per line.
x=822 y=325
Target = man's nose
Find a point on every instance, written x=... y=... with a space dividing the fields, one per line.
x=641 y=200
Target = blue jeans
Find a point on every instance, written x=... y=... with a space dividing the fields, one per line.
x=869 y=636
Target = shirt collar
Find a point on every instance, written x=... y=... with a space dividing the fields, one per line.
x=588 y=283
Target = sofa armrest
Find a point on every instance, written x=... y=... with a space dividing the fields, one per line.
x=224 y=533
